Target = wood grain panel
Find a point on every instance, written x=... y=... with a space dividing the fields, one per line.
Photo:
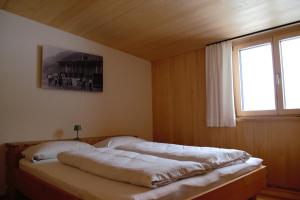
x=179 y=117
x=175 y=99
x=2 y=3
x=163 y=119
x=74 y=16
x=157 y=29
x=276 y=194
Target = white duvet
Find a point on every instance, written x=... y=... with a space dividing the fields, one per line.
x=135 y=168
x=213 y=157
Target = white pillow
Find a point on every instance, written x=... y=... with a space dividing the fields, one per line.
x=114 y=142
x=49 y=150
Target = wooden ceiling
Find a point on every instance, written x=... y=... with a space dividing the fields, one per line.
x=155 y=29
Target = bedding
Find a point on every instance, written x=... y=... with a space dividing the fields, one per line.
x=49 y=150
x=213 y=157
x=135 y=168
x=90 y=187
x=113 y=142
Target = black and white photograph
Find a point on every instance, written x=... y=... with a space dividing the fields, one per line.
x=71 y=70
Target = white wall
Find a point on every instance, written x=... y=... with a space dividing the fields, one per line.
x=28 y=112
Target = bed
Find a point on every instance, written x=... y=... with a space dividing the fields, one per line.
x=52 y=180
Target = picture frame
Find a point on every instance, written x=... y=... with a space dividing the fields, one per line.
x=71 y=70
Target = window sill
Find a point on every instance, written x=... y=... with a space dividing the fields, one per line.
x=267 y=118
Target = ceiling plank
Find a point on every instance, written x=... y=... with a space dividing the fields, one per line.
x=158 y=29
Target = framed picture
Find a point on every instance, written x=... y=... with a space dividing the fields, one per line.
x=71 y=70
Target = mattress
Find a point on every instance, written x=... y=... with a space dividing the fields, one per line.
x=91 y=187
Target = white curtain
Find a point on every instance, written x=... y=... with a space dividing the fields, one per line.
x=220 y=110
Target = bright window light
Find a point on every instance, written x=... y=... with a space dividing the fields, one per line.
x=257 y=78
x=290 y=66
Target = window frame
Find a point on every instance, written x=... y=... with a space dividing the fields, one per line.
x=278 y=66
x=237 y=83
x=274 y=40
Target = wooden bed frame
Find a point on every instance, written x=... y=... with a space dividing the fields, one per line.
x=20 y=182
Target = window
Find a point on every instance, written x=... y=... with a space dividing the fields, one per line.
x=267 y=76
x=256 y=78
x=290 y=67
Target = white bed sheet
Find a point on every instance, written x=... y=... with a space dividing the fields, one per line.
x=90 y=187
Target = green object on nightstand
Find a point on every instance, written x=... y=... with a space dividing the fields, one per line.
x=77 y=128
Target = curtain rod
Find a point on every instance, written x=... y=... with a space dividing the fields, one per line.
x=256 y=32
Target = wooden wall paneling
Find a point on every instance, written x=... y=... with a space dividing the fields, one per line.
x=276 y=140
x=182 y=89
x=276 y=194
x=202 y=135
x=2 y=3
x=181 y=101
x=162 y=128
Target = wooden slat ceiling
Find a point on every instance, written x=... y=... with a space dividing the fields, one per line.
x=155 y=29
